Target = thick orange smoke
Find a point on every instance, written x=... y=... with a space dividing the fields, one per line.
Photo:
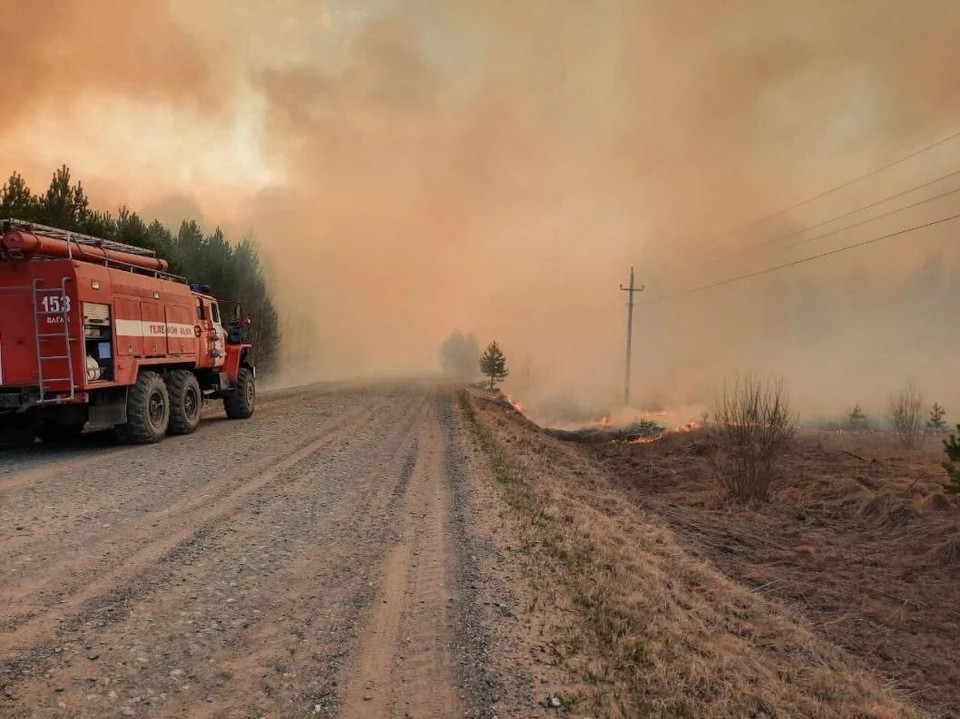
x=496 y=166
x=56 y=53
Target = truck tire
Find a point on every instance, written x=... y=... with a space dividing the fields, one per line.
x=17 y=431
x=148 y=411
x=240 y=400
x=57 y=432
x=186 y=401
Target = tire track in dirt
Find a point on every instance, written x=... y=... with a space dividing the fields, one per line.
x=365 y=504
x=179 y=525
x=60 y=459
x=49 y=459
x=403 y=666
x=335 y=586
x=324 y=566
x=139 y=529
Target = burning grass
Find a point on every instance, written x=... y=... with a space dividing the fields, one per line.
x=659 y=630
x=641 y=431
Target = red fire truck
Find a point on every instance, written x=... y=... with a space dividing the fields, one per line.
x=98 y=332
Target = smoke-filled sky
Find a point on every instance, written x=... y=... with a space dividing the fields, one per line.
x=496 y=166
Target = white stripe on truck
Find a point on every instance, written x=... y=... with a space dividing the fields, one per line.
x=136 y=328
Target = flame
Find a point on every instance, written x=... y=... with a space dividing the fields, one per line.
x=515 y=403
x=687 y=418
x=680 y=419
x=691 y=426
x=649 y=440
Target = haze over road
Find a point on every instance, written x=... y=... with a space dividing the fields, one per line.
x=303 y=563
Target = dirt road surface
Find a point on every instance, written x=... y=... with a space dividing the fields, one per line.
x=315 y=560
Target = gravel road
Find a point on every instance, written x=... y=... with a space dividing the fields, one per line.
x=312 y=561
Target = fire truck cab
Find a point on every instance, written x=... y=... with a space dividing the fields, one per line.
x=97 y=332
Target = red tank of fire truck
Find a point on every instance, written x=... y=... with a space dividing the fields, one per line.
x=95 y=331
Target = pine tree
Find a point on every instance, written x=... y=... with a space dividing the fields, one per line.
x=952 y=465
x=16 y=200
x=857 y=419
x=64 y=206
x=493 y=364
x=98 y=224
x=161 y=241
x=936 y=422
x=131 y=229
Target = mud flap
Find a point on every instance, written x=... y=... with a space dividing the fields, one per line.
x=108 y=414
x=108 y=407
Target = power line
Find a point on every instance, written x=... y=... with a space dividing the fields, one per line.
x=825 y=193
x=867 y=222
x=743 y=250
x=839 y=217
x=804 y=260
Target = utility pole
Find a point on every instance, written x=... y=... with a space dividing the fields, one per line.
x=632 y=290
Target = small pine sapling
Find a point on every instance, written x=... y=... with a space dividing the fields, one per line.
x=856 y=419
x=952 y=465
x=937 y=423
x=494 y=364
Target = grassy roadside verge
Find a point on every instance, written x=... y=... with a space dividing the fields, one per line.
x=598 y=648
x=651 y=630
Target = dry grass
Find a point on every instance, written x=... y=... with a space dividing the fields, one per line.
x=947 y=552
x=663 y=632
x=887 y=508
x=859 y=539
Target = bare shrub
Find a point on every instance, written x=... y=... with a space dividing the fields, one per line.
x=752 y=429
x=906 y=412
x=947 y=554
x=936 y=502
x=889 y=509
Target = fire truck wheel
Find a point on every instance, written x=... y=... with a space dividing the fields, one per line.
x=57 y=432
x=148 y=410
x=186 y=401
x=239 y=401
x=17 y=431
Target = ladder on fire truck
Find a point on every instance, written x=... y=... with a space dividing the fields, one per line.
x=74 y=237
x=78 y=240
x=58 y=307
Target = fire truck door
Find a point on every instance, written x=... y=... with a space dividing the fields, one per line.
x=180 y=332
x=154 y=329
x=219 y=336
